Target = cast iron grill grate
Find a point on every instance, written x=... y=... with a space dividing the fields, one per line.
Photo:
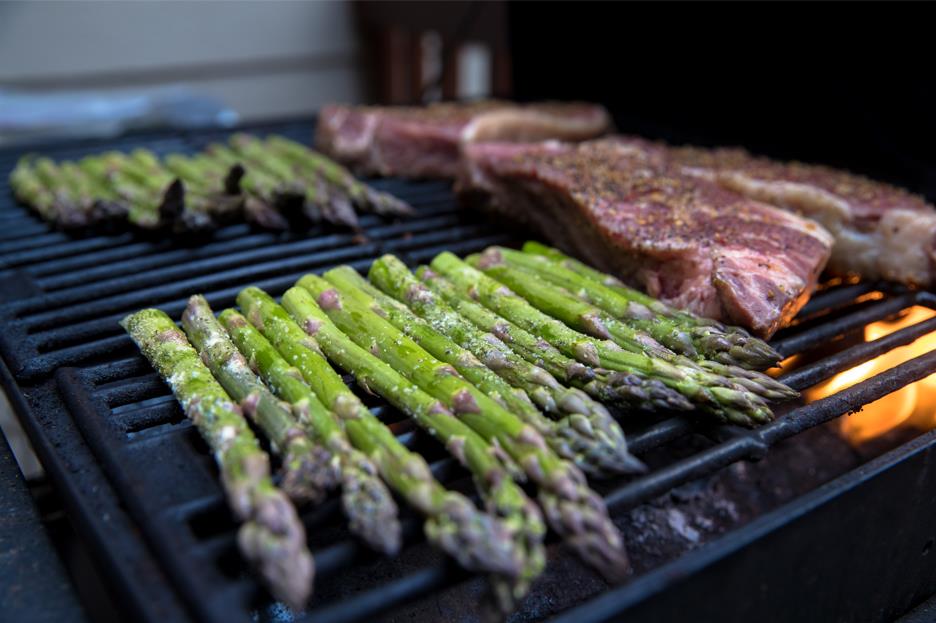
x=65 y=294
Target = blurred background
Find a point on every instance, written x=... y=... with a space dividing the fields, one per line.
x=850 y=86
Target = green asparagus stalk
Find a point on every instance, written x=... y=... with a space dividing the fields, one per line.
x=475 y=540
x=572 y=509
x=728 y=345
x=351 y=284
x=442 y=347
x=588 y=319
x=71 y=208
x=607 y=386
x=584 y=432
x=148 y=200
x=271 y=535
x=30 y=189
x=367 y=503
x=502 y=496
x=146 y=169
x=267 y=202
x=363 y=196
x=100 y=204
x=207 y=202
x=727 y=403
x=309 y=470
x=320 y=198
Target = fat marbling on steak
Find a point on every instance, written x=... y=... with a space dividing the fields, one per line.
x=426 y=141
x=687 y=241
x=880 y=231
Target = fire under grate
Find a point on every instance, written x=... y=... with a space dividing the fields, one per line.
x=89 y=399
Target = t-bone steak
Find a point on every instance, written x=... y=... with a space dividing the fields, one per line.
x=686 y=240
x=426 y=141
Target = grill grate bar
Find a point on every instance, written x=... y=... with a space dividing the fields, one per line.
x=752 y=444
x=822 y=333
x=205 y=260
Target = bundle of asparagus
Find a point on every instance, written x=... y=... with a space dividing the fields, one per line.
x=273 y=182
x=504 y=359
x=572 y=509
x=632 y=352
x=271 y=535
x=583 y=430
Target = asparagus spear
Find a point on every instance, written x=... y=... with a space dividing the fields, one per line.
x=728 y=403
x=320 y=198
x=475 y=540
x=267 y=202
x=441 y=346
x=589 y=435
x=271 y=535
x=572 y=509
x=368 y=504
x=607 y=386
x=71 y=209
x=361 y=194
x=100 y=204
x=309 y=470
x=579 y=315
x=502 y=496
x=598 y=458
x=133 y=185
x=207 y=202
x=728 y=345
x=30 y=189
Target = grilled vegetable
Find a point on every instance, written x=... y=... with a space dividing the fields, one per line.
x=271 y=535
x=728 y=403
x=578 y=314
x=584 y=431
x=572 y=509
x=368 y=504
x=453 y=524
x=715 y=341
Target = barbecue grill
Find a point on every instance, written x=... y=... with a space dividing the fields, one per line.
x=141 y=490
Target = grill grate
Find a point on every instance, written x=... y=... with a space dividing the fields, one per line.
x=60 y=340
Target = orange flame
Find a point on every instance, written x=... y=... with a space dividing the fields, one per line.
x=913 y=405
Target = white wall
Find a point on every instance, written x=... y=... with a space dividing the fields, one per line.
x=262 y=58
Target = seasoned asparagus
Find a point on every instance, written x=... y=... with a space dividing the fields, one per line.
x=474 y=539
x=728 y=403
x=207 y=202
x=363 y=196
x=608 y=386
x=321 y=199
x=578 y=314
x=442 y=347
x=153 y=201
x=309 y=470
x=728 y=345
x=368 y=504
x=268 y=202
x=572 y=509
x=271 y=534
x=589 y=435
x=31 y=188
x=502 y=496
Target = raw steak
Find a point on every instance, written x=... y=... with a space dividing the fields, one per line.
x=426 y=141
x=688 y=241
x=880 y=231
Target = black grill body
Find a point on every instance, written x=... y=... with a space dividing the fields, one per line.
x=141 y=488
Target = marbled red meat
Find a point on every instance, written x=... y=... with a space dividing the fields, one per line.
x=426 y=141
x=880 y=231
x=688 y=241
